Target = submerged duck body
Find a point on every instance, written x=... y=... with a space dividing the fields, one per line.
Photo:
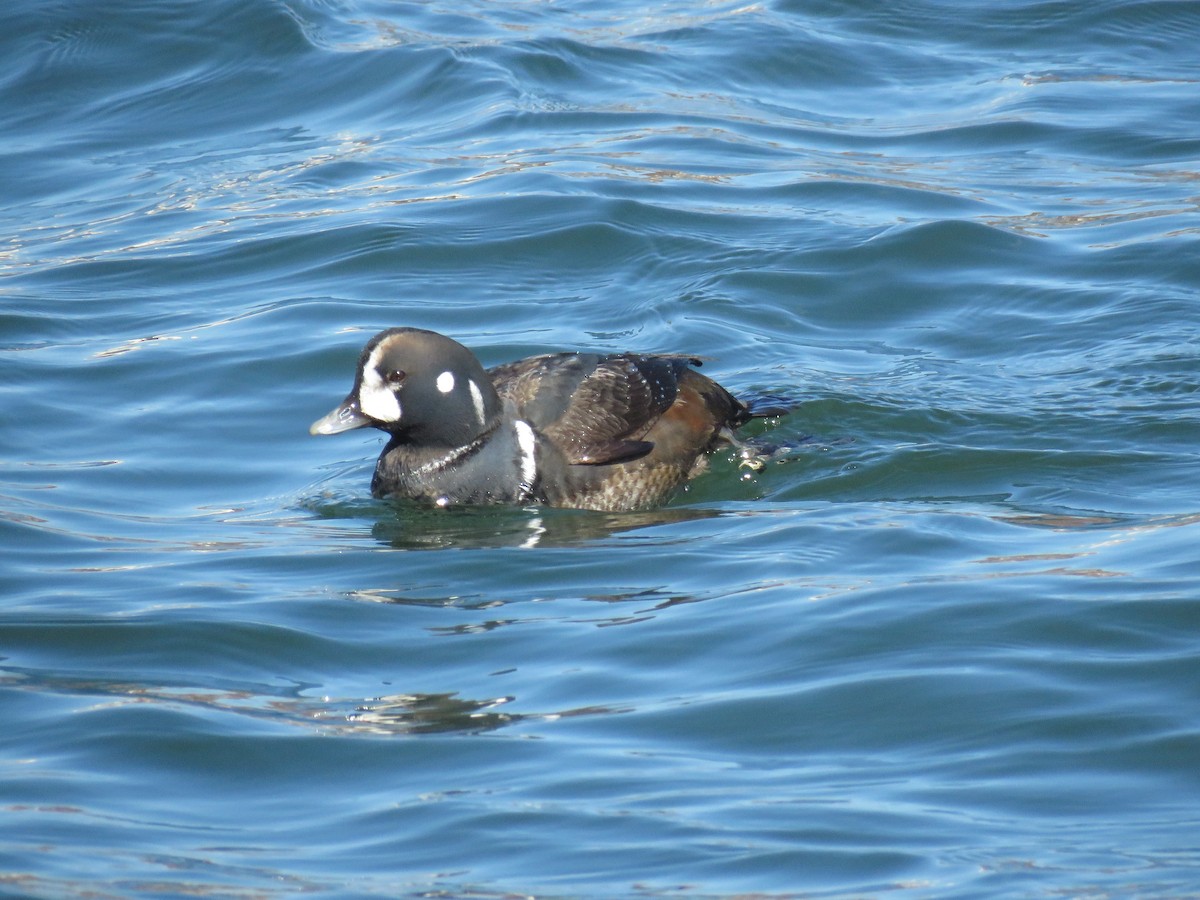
x=611 y=432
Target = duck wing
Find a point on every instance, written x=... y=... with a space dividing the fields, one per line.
x=595 y=408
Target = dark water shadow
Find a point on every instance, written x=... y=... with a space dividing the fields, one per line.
x=402 y=525
x=389 y=714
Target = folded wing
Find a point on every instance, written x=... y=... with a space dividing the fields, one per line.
x=595 y=408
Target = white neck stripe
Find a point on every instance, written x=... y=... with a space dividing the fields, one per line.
x=527 y=441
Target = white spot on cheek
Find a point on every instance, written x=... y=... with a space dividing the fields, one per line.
x=376 y=401
x=445 y=382
x=375 y=398
x=477 y=399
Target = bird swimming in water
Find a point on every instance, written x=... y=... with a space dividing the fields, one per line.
x=620 y=431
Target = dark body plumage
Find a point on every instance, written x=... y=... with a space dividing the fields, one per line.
x=593 y=431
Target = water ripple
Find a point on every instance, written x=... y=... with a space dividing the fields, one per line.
x=942 y=643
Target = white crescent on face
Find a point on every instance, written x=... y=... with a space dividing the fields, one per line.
x=477 y=400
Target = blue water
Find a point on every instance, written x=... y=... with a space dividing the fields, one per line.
x=948 y=647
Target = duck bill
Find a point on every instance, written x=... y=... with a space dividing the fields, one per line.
x=344 y=418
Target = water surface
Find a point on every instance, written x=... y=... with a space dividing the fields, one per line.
x=947 y=647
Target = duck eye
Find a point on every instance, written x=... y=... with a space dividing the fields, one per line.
x=395 y=376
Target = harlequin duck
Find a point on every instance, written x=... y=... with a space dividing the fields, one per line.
x=610 y=432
